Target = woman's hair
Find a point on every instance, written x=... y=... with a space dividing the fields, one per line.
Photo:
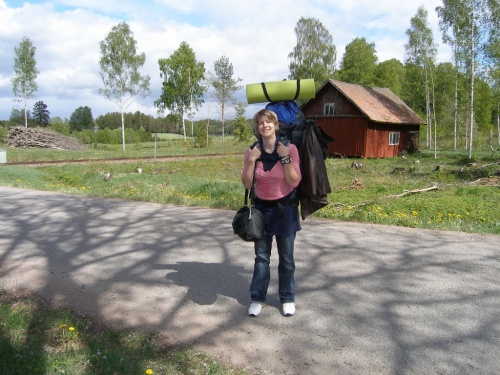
x=264 y=113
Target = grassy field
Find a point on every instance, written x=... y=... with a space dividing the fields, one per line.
x=463 y=197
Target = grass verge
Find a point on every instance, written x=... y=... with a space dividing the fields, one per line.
x=465 y=197
x=36 y=339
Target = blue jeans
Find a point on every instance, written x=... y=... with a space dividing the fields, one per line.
x=286 y=268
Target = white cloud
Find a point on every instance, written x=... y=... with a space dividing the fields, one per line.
x=256 y=36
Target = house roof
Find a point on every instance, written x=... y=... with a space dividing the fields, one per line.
x=378 y=104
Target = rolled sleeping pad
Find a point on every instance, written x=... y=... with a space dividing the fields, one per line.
x=281 y=90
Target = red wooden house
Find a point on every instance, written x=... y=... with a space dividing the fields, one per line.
x=365 y=121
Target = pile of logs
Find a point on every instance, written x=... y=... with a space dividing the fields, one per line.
x=19 y=136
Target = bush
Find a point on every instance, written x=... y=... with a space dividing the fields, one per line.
x=3 y=134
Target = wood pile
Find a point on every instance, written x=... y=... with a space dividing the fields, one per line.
x=19 y=136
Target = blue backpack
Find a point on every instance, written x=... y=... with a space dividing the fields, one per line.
x=291 y=118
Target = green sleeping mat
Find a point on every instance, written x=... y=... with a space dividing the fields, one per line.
x=281 y=90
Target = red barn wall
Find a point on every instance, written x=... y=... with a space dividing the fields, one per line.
x=349 y=134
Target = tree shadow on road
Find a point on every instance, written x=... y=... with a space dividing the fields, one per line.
x=369 y=298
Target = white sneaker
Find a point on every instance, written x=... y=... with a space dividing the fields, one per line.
x=288 y=308
x=255 y=308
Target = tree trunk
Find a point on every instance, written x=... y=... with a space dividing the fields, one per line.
x=428 y=107
x=498 y=123
x=123 y=129
x=223 y=125
x=472 y=85
x=25 y=108
x=183 y=125
x=434 y=114
x=455 y=110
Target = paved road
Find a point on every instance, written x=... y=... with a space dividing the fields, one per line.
x=370 y=299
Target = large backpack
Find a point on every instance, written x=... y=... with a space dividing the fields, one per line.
x=291 y=120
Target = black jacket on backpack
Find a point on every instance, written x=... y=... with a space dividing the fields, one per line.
x=314 y=185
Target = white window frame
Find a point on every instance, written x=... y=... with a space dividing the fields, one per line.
x=329 y=109
x=394 y=138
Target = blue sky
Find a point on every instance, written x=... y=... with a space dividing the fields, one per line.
x=256 y=36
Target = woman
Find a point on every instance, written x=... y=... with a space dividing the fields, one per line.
x=277 y=174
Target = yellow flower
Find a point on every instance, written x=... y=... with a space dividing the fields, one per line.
x=63 y=325
x=71 y=328
x=149 y=371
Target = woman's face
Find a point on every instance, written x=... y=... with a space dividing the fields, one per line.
x=266 y=127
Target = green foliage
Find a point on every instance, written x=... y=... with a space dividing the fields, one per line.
x=134 y=121
x=315 y=54
x=242 y=127
x=201 y=138
x=41 y=114
x=225 y=87
x=3 y=133
x=390 y=74
x=120 y=65
x=182 y=90
x=24 y=82
x=420 y=49
x=483 y=105
x=108 y=136
x=182 y=75
x=81 y=119
x=17 y=117
x=359 y=63
x=59 y=125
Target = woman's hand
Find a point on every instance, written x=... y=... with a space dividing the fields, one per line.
x=282 y=150
x=254 y=154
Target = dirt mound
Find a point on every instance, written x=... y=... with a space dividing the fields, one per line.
x=487 y=181
x=19 y=136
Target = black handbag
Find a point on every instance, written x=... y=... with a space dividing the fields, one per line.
x=249 y=223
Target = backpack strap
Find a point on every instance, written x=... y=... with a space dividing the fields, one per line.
x=298 y=90
x=265 y=92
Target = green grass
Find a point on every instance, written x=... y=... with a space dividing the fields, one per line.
x=35 y=339
x=166 y=145
x=364 y=195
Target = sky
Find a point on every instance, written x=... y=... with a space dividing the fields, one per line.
x=255 y=35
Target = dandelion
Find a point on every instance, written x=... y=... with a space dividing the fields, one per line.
x=149 y=371
x=63 y=326
x=71 y=328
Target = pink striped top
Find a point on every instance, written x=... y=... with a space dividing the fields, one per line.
x=272 y=185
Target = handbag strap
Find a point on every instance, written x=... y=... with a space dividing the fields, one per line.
x=251 y=192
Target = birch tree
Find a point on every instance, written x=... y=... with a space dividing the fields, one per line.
x=120 y=65
x=24 y=82
x=452 y=23
x=182 y=88
x=314 y=55
x=421 y=52
x=225 y=88
x=493 y=53
x=476 y=24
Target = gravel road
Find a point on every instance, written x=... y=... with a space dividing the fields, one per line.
x=370 y=299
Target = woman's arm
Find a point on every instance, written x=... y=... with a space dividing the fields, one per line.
x=292 y=169
x=251 y=156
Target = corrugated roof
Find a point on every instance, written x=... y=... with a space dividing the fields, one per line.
x=378 y=104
